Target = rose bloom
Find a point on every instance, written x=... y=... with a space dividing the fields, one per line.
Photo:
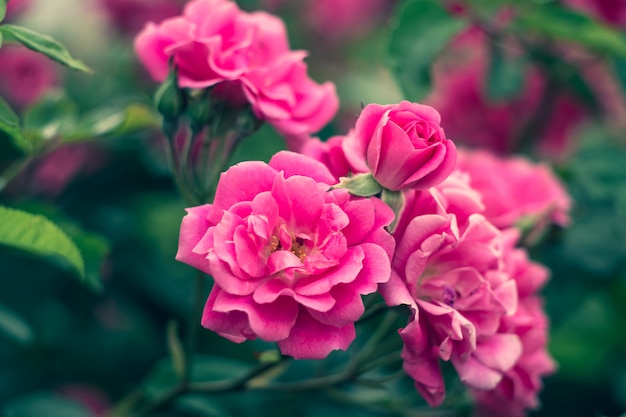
x=448 y=267
x=520 y=386
x=514 y=189
x=402 y=145
x=284 y=96
x=26 y=75
x=290 y=259
x=215 y=42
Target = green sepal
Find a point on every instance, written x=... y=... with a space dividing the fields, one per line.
x=396 y=201
x=170 y=100
x=360 y=185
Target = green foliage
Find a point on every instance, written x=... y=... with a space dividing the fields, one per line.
x=3 y=13
x=43 y=44
x=560 y=23
x=39 y=236
x=421 y=30
x=15 y=328
x=44 y=404
x=505 y=77
x=10 y=126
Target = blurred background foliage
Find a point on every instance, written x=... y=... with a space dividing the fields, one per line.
x=90 y=159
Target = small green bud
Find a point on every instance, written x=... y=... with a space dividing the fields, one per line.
x=170 y=100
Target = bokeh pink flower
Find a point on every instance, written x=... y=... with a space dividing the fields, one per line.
x=515 y=189
x=290 y=259
x=26 y=75
x=472 y=118
x=129 y=16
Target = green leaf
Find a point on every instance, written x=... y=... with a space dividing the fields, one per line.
x=505 y=77
x=361 y=185
x=113 y=122
x=10 y=125
x=15 y=327
x=561 y=23
x=43 y=404
x=44 y=44
x=3 y=13
x=53 y=116
x=93 y=247
x=37 y=235
x=421 y=29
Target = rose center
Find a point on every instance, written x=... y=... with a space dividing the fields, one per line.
x=297 y=246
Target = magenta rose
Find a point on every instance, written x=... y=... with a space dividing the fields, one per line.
x=290 y=259
x=448 y=267
x=283 y=95
x=519 y=389
x=402 y=145
x=213 y=41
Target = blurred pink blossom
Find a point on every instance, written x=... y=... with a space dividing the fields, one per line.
x=131 y=15
x=459 y=94
x=15 y=7
x=333 y=19
x=609 y=11
x=26 y=75
x=290 y=259
x=515 y=189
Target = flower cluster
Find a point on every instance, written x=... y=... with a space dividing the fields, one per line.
x=291 y=255
x=215 y=43
x=391 y=207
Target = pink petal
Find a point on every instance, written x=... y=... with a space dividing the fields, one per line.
x=311 y=339
x=271 y=322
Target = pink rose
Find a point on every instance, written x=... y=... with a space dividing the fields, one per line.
x=520 y=385
x=213 y=41
x=514 y=188
x=290 y=259
x=26 y=75
x=449 y=269
x=402 y=145
x=285 y=96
